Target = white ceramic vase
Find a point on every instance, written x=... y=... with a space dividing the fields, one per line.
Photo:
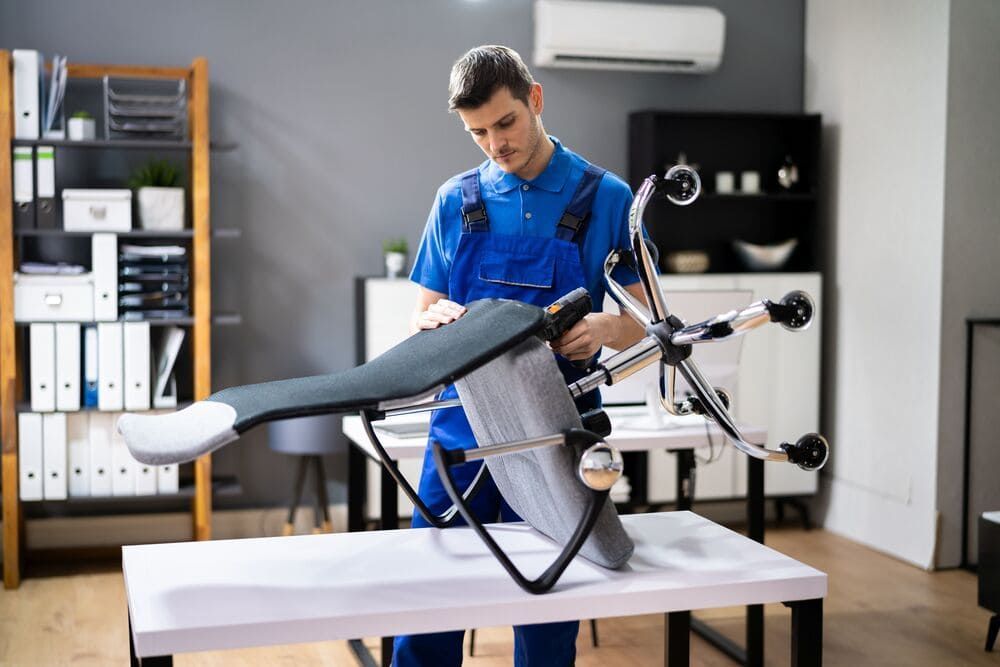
x=395 y=262
x=161 y=209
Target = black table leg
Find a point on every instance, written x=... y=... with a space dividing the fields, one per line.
x=677 y=649
x=389 y=510
x=685 y=478
x=807 y=632
x=991 y=632
x=755 y=531
x=357 y=488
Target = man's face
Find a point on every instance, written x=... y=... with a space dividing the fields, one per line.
x=507 y=129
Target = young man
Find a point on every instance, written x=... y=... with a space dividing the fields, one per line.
x=531 y=223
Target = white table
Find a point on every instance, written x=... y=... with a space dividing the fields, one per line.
x=202 y=596
x=682 y=437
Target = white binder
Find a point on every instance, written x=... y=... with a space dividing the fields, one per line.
x=123 y=466
x=145 y=479
x=54 y=455
x=27 y=75
x=109 y=366
x=68 y=366
x=29 y=455
x=167 y=479
x=104 y=268
x=43 y=367
x=101 y=426
x=90 y=380
x=24 y=187
x=136 y=349
x=78 y=454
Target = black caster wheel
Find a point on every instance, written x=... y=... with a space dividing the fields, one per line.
x=809 y=452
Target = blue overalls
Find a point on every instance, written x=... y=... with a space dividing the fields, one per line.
x=534 y=270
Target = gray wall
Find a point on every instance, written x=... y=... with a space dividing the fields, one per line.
x=970 y=272
x=339 y=108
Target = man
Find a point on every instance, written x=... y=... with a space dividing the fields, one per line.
x=531 y=223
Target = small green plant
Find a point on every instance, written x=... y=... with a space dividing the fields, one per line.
x=81 y=114
x=394 y=245
x=155 y=174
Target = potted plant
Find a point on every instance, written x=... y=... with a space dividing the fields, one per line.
x=82 y=126
x=161 y=202
x=395 y=256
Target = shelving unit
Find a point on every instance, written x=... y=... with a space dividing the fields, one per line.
x=196 y=148
x=732 y=142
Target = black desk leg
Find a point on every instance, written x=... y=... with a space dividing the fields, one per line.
x=755 y=499
x=153 y=661
x=677 y=649
x=357 y=488
x=807 y=632
x=686 y=472
x=991 y=632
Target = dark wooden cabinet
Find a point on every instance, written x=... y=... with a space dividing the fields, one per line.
x=716 y=142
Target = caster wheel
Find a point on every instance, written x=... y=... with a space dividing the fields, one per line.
x=809 y=452
x=689 y=181
x=804 y=310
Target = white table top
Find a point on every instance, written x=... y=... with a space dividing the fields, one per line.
x=197 y=596
x=681 y=433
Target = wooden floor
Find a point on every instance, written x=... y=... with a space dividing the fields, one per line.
x=879 y=612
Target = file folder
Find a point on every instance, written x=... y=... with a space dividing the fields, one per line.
x=136 y=359
x=27 y=76
x=45 y=190
x=123 y=466
x=109 y=366
x=78 y=454
x=24 y=187
x=43 y=367
x=102 y=424
x=68 y=366
x=104 y=268
x=145 y=479
x=54 y=455
x=165 y=387
x=90 y=380
x=167 y=480
x=29 y=455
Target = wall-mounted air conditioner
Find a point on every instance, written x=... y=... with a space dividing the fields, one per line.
x=628 y=36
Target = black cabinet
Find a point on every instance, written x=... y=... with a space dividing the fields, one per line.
x=735 y=143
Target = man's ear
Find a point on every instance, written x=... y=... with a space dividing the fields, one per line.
x=536 y=100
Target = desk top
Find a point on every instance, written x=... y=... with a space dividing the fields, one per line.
x=197 y=596
x=628 y=433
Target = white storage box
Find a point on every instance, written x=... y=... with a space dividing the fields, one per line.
x=53 y=298
x=97 y=210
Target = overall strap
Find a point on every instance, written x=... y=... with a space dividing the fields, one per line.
x=473 y=209
x=573 y=223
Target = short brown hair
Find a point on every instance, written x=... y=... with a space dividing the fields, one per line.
x=482 y=71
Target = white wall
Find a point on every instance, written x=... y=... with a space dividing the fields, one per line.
x=971 y=275
x=877 y=71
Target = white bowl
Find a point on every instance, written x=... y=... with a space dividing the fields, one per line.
x=764 y=257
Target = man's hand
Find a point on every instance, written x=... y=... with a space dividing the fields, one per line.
x=584 y=338
x=438 y=313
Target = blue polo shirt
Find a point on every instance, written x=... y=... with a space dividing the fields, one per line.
x=518 y=207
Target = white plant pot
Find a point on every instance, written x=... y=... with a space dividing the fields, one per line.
x=82 y=129
x=395 y=263
x=161 y=209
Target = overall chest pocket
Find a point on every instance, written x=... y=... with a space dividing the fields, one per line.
x=521 y=270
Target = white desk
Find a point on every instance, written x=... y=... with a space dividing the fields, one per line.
x=201 y=596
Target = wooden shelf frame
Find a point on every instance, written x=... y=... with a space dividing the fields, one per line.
x=198 y=123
